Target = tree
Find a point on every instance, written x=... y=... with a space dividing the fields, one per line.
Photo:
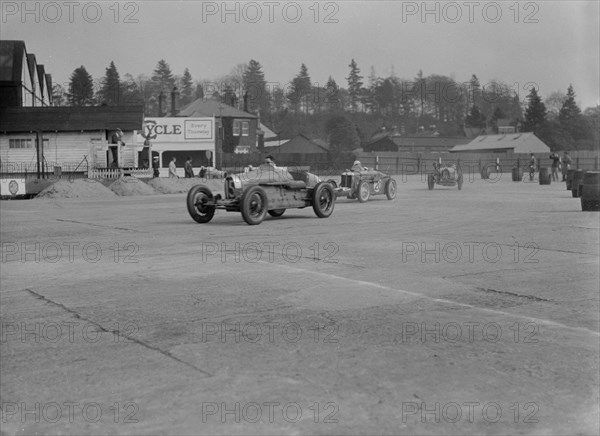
x=535 y=114
x=332 y=95
x=342 y=135
x=301 y=89
x=187 y=88
x=554 y=102
x=571 y=119
x=255 y=86
x=110 y=90
x=354 y=85
x=475 y=118
x=419 y=90
x=498 y=114
x=163 y=77
x=59 y=95
x=81 y=88
x=130 y=93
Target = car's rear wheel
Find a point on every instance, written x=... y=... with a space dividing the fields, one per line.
x=197 y=198
x=390 y=189
x=254 y=205
x=323 y=199
x=430 y=181
x=363 y=192
x=276 y=212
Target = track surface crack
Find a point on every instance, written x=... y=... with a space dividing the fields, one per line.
x=117 y=332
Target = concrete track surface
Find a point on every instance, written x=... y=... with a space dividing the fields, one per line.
x=441 y=312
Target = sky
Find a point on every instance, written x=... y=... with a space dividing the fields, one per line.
x=547 y=44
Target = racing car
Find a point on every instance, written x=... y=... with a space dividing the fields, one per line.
x=362 y=183
x=263 y=190
x=445 y=175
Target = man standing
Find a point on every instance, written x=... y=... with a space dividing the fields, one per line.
x=555 y=161
x=532 y=165
x=566 y=164
x=187 y=167
x=173 y=169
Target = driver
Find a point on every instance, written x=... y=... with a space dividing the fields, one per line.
x=357 y=166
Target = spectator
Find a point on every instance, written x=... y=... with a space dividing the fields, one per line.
x=189 y=170
x=155 y=165
x=173 y=168
x=566 y=164
x=555 y=162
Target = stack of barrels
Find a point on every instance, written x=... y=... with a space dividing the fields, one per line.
x=586 y=186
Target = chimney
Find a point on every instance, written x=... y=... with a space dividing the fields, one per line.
x=246 y=101
x=174 y=100
x=161 y=102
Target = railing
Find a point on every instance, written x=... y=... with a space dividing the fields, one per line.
x=115 y=173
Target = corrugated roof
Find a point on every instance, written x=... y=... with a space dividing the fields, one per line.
x=11 y=60
x=49 y=118
x=518 y=142
x=209 y=108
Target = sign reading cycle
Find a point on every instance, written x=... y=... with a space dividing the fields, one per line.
x=178 y=129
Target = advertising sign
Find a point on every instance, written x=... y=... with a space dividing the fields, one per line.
x=178 y=129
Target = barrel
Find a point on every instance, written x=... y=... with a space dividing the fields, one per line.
x=590 y=197
x=517 y=174
x=545 y=177
x=570 y=173
x=577 y=179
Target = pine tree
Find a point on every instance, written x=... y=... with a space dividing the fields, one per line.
x=354 y=85
x=187 y=88
x=475 y=118
x=163 y=77
x=535 y=114
x=332 y=95
x=301 y=88
x=110 y=92
x=81 y=88
x=571 y=119
x=255 y=85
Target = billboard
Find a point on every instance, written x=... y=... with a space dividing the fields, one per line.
x=178 y=129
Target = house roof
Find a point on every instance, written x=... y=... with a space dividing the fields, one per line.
x=210 y=108
x=11 y=60
x=407 y=142
x=518 y=142
x=301 y=144
x=269 y=134
x=50 y=118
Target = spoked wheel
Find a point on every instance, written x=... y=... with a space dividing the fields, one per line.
x=363 y=192
x=390 y=189
x=254 y=205
x=197 y=198
x=276 y=212
x=323 y=199
x=430 y=181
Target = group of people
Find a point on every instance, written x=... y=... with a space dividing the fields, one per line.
x=188 y=169
x=557 y=163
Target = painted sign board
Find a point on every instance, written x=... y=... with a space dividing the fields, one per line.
x=182 y=129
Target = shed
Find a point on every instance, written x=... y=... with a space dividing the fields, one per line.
x=523 y=143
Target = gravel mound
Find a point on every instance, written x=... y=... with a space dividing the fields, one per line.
x=126 y=186
x=80 y=188
x=178 y=186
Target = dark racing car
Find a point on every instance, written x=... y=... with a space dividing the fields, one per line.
x=362 y=183
x=264 y=190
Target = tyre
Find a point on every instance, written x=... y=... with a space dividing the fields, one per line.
x=364 y=192
x=430 y=181
x=254 y=205
x=323 y=200
x=196 y=204
x=459 y=182
x=390 y=189
x=276 y=212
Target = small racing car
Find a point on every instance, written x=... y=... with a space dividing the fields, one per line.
x=445 y=175
x=263 y=190
x=361 y=184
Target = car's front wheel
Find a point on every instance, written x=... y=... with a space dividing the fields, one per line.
x=363 y=192
x=323 y=199
x=197 y=198
x=254 y=205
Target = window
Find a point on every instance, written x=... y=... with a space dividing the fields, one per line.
x=241 y=128
x=20 y=143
